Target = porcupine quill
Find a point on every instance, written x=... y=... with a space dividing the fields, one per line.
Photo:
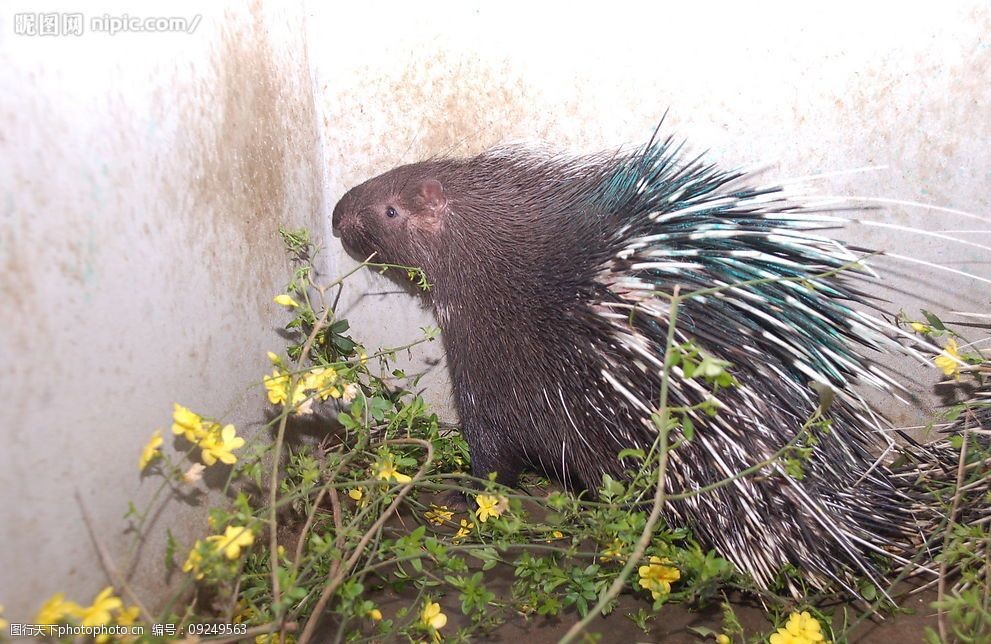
x=552 y=278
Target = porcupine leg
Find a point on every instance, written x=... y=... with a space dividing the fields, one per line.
x=488 y=455
x=482 y=464
x=491 y=446
x=485 y=461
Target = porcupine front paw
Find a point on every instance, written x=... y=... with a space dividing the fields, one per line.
x=505 y=469
x=456 y=501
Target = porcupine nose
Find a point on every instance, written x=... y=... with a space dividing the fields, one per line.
x=337 y=218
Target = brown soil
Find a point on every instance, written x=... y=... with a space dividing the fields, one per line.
x=672 y=623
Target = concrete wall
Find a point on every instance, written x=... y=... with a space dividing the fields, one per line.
x=904 y=88
x=143 y=176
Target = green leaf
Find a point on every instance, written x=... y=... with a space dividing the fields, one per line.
x=933 y=321
x=611 y=487
x=931 y=637
x=430 y=332
x=347 y=421
x=170 y=550
x=632 y=453
x=378 y=407
x=868 y=591
x=345 y=345
x=687 y=428
x=131 y=510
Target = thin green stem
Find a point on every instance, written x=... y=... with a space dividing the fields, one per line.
x=343 y=569
x=647 y=534
x=273 y=496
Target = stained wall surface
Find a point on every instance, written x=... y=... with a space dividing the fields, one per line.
x=877 y=100
x=143 y=178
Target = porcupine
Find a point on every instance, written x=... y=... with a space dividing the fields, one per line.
x=548 y=276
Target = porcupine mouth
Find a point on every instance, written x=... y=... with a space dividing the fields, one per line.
x=358 y=243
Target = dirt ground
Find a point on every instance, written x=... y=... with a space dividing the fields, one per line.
x=672 y=622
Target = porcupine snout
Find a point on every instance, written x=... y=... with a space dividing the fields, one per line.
x=340 y=217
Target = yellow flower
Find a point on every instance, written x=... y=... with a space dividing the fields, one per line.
x=613 y=552
x=432 y=618
x=56 y=610
x=3 y=623
x=277 y=386
x=194 y=561
x=150 y=451
x=186 y=423
x=274 y=359
x=98 y=613
x=375 y=614
x=233 y=539
x=219 y=445
x=658 y=577
x=438 y=515
x=273 y=638
x=386 y=471
x=556 y=534
x=286 y=300
x=128 y=616
x=363 y=358
x=490 y=505
x=722 y=638
x=801 y=628
x=949 y=359
x=322 y=381
x=313 y=378
x=243 y=612
x=463 y=531
x=919 y=327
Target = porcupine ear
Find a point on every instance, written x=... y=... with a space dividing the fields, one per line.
x=431 y=196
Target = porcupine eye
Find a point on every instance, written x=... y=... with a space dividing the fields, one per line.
x=391 y=213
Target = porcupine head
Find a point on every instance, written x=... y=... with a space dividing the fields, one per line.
x=509 y=263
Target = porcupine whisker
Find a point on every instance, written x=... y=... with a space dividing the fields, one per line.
x=974 y=343
x=946 y=269
x=902 y=428
x=799 y=180
x=909 y=204
x=919 y=231
x=980 y=316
